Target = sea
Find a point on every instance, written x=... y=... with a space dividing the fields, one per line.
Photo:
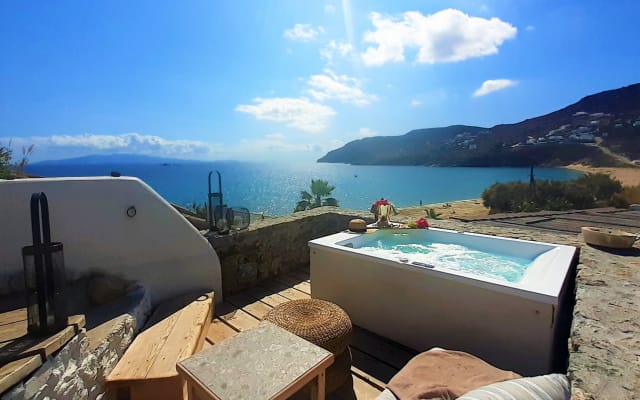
x=273 y=188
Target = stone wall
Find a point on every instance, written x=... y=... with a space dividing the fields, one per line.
x=275 y=245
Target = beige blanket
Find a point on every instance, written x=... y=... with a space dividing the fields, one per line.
x=444 y=374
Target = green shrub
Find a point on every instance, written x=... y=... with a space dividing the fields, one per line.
x=431 y=213
x=5 y=161
x=588 y=191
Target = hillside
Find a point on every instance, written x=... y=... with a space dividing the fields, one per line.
x=600 y=130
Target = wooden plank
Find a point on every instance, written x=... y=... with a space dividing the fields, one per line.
x=204 y=329
x=24 y=346
x=219 y=331
x=248 y=304
x=141 y=354
x=283 y=290
x=149 y=346
x=236 y=318
x=381 y=348
x=11 y=332
x=363 y=390
x=184 y=338
x=295 y=283
x=13 y=316
x=16 y=371
x=370 y=369
x=55 y=342
x=266 y=296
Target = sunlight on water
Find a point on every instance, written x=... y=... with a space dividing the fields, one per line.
x=455 y=257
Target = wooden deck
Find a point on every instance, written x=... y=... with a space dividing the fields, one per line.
x=375 y=359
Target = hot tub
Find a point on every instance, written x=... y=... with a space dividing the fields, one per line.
x=423 y=301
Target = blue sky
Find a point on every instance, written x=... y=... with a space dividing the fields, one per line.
x=291 y=80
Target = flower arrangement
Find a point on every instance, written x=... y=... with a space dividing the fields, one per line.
x=422 y=223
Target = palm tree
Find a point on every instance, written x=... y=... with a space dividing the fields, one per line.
x=319 y=189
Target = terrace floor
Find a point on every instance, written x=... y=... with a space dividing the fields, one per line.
x=564 y=221
x=375 y=359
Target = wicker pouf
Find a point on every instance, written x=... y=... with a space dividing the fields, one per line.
x=322 y=323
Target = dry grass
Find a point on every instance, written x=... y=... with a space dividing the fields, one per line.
x=461 y=208
x=631 y=194
x=626 y=176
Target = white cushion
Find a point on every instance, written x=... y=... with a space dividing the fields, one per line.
x=545 y=387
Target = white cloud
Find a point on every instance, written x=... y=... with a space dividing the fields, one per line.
x=366 y=132
x=330 y=86
x=277 y=146
x=276 y=136
x=446 y=36
x=530 y=28
x=57 y=146
x=299 y=113
x=330 y=8
x=303 y=32
x=333 y=49
x=415 y=103
x=493 y=85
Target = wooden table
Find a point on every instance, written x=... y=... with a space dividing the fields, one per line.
x=266 y=362
x=21 y=354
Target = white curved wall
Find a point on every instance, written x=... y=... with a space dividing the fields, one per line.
x=157 y=247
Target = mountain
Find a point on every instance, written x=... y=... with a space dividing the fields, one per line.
x=601 y=130
x=115 y=159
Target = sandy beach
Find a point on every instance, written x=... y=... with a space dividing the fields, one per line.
x=460 y=208
x=627 y=176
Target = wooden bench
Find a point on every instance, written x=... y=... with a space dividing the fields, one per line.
x=175 y=331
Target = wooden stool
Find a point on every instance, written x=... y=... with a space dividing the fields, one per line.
x=322 y=323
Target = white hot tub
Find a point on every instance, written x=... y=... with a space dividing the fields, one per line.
x=423 y=300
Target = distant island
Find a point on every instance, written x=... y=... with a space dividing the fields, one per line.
x=601 y=130
x=124 y=158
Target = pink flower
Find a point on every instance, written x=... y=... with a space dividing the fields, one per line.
x=422 y=223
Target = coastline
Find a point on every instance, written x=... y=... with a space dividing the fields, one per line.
x=628 y=176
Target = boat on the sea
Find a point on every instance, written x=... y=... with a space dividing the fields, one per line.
x=611 y=238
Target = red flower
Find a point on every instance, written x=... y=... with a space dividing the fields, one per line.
x=422 y=223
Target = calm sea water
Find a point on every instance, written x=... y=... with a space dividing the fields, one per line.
x=274 y=188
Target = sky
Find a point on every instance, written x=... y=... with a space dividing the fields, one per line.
x=290 y=80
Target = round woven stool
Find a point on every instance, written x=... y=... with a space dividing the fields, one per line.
x=324 y=324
